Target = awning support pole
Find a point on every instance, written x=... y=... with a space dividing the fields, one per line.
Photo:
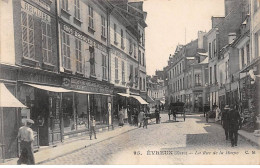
x=2 y=134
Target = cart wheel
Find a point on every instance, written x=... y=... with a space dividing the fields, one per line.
x=184 y=116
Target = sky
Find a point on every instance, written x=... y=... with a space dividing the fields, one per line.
x=167 y=21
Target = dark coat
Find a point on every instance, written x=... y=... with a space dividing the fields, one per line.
x=234 y=120
x=224 y=118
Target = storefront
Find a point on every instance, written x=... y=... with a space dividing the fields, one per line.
x=41 y=92
x=87 y=98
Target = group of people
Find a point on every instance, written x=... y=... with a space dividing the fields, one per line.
x=231 y=121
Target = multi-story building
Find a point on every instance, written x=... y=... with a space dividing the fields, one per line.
x=64 y=60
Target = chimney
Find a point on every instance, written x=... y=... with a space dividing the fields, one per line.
x=231 y=37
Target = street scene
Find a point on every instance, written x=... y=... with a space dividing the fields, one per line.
x=129 y=82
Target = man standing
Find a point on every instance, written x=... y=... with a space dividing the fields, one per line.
x=92 y=127
x=234 y=120
x=26 y=138
x=217 y=113
x=224 y=120
x=157 y=114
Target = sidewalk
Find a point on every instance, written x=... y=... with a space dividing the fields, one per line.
x=62 y=149
x=246 y=135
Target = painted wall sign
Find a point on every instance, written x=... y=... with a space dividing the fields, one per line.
x=35 y=11
x=83 y=37
x=42 y=4
x=87 y=86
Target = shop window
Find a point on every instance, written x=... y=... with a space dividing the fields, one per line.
x=28 y=35
x=46 y=42
x=77 y=9
x=78 y=55
x=66 y=50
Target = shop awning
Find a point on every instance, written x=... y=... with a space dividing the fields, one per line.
x=7 y=99
x=49 y=88
x=141 y=101
x=123 y=94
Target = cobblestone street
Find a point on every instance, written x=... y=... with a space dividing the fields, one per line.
x=181 y=141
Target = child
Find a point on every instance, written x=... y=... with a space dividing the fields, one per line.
x=92 y=127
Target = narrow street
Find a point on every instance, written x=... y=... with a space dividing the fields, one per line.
x=181 y=141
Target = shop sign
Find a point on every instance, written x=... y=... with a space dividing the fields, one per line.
x=42 y=4
x=39 y=78
x=83 y=37
x=35 y=11
x=87 y=86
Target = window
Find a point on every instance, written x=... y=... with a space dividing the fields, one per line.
x=177 y=69
x=46 y=42
x=92 y=62
x=257 y=45
x=116 y=68
x=66 y=50
x=103 y=26
x=209 y=50
x=77 y=9
x=131 y=76
x=140 y=83
x=136 y=75
x=28 y=35
x=183 y=83
x=123 y=71
x=256 y=5
x=248 y=53
x=115 y=38
x=78 y=55
x=143 y=60
x=142 y=39
x=214 y=48
x=122 y=39
x=134 y=50
x=139 y=57
x=242 y=57
x=90 y=17
x=180 y=84
x=144 y=84
x=180 y=67
x=130 y=47
x=197 y=80
x=104 y=66
x=210 y=75
x=226 y=69
x=64 y=5
x=215 y=73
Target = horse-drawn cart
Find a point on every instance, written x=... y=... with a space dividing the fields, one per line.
x=177 y=108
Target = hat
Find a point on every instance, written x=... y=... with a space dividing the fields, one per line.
x=226 y=107
x=30 y=121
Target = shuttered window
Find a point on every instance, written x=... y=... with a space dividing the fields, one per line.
x=66 y=50
x=78 y=55
x=104 y=66
x=77 y=9
x=28 y=35
x=46 y=42
x=91 y=17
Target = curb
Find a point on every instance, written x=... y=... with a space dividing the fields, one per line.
x=80 y=148
x=249 y=140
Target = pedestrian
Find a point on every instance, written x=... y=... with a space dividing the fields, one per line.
x=234 y=121
x=145 y=121
x=26 y=138
x=92 y=127
x=121 y=117
x=170 y=111
x=224 y=121
x=141 y=118
x=217 y=118
x=135 y=116
x=157 y=113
